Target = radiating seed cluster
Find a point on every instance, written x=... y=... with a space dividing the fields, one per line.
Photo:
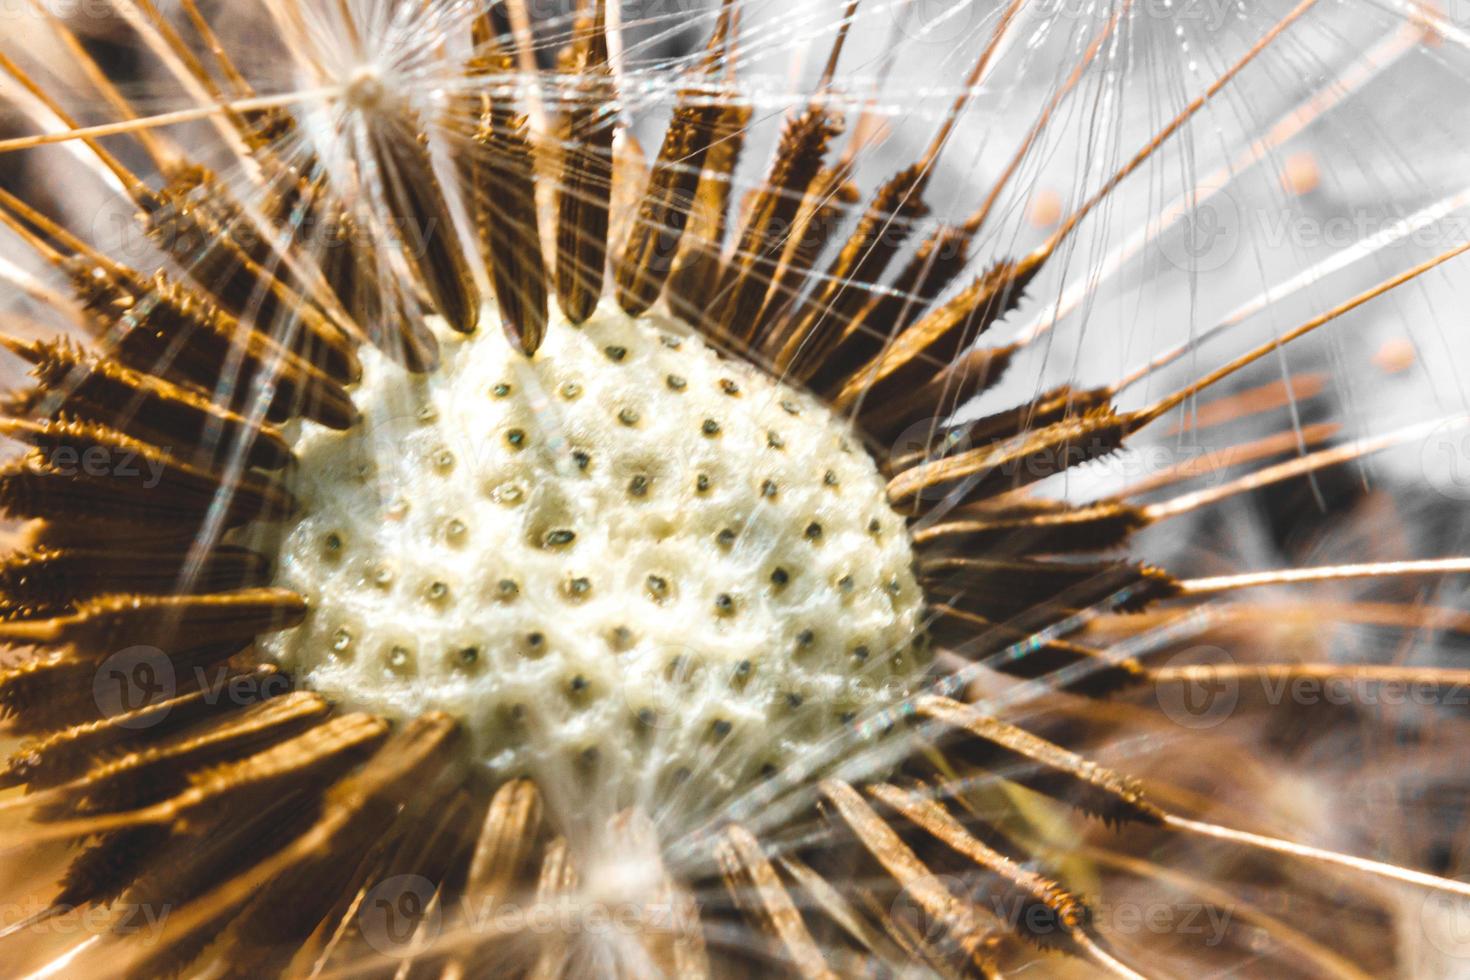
x=627 y=553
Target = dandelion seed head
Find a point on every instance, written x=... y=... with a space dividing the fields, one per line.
x=743 y=638
x=767 y=720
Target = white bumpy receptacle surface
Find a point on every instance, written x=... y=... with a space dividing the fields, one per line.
x=628 y=556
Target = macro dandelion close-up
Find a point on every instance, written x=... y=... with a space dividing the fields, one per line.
x=734 y=488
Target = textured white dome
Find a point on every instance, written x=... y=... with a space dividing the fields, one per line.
x=628 y=554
